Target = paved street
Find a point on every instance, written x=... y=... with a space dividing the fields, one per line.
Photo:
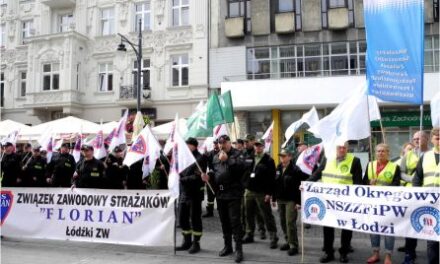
x=24 y=251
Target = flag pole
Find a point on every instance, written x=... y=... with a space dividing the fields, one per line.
x=201 y=171
x=370 y=141
x=302 y=241
x=421 y=118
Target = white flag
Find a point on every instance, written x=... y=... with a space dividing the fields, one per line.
x=77 y=149
x=268 y=136
x=145 y=145
x=220 y=130
x=310 y=118
x=46 y=142
x=170 y=141
x=435 y=110
x=11 y=138
x=207 y=145
x=182 y=158
x=309 y=158
x=99 y=150
x=138 y=124
x=373 y=107
x=119 y=134
x=348 y=121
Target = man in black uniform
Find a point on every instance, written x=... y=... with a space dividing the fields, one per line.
x=249 y=155
x=34 y=170
x=60 y=169
x=260 y=184
x=227 y=173
x=190 y=200
x=116 y=173
x=211 y=196
x=10 y=167
x=89 y=171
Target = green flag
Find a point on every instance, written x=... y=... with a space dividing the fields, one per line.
x=214 y=113
x=196 y=124
x=226 y=104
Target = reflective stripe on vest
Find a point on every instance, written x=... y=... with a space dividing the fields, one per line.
x=385 y=177
x=338 y=173
x=431 y=170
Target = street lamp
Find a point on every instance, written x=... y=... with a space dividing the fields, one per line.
x=138 y=51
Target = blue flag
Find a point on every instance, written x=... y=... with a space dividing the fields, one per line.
x=395 y=34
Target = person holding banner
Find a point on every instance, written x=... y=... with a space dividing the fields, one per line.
x=288 y=196
x=428 y=175
x=382 y=172
x=344 y=169
x=190 y=200
x=60 y=169
x=227 y=171
x=89 y=171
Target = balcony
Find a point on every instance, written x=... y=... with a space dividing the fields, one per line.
x=234 y=27
x=58 y=4
x=338 y=18
x=128 y=94
x=285 y=23
x=54 y=98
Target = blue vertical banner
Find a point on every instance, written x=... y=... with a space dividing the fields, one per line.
x=395 y=34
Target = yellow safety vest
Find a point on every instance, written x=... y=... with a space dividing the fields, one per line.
x=411 y=159
x=431 y=170
x=338 y=173
x=385 y=177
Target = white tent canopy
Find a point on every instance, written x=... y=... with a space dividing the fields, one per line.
x=8 y=126
x=63 y=127
x=108 y=127
x=163 y=131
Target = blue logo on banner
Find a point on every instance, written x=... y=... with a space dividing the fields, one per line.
x=6 y=204
x=395 y=49
x=314 y=209
x=426 y=220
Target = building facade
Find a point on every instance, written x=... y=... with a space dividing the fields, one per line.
x=281 y=57
x=59 y=57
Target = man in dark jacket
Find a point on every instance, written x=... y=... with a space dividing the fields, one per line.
x=61 y=168
x=190 y=200
x=288 y=196
x=89 y=171
x=116 y=173
x=10 y=167
x=227 y=171
x=260 y=183
x=34 y=170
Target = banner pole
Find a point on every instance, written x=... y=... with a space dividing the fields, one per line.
x=207 y=183
x=421 y=118
x=370 y=141
x=175 y=226
x=302 y=240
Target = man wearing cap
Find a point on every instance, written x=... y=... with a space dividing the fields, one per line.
x=260 y=184
x=240 y=144
x=61 y=168
x=227 y=174
x=116 y=173
x=344 y=169
x=10 y=167
x=211 y=196
x=249 y=156
x=35 y=170
x=190 y=200
x=89 y=171
x=288 y=196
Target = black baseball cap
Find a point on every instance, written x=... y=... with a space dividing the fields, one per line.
x=250 y=137
x=117 y=149
x=284 y=152
x=260 y=142
x=65 y=145
x=240 y=141
x=86 y=147
x=192 y=141
x=8 y=144
x=36 y=148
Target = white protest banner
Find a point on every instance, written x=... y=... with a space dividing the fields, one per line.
x=391 y=211
x=129 y=217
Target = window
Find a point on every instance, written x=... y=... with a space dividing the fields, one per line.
x=432 y=54
x=241 y=8
x=26 y=29
x=436 y=10
x=2 y=89
x=51 y=76
x=143 y=12
x=285 y=6
x=329 y=4
x=107 y=22
x=180 y=12
x=145 y=76
x=65 y=22
x=105 y=77
x=22 y=75
x=3 y=2
x=2 y=36
x=179 y=70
